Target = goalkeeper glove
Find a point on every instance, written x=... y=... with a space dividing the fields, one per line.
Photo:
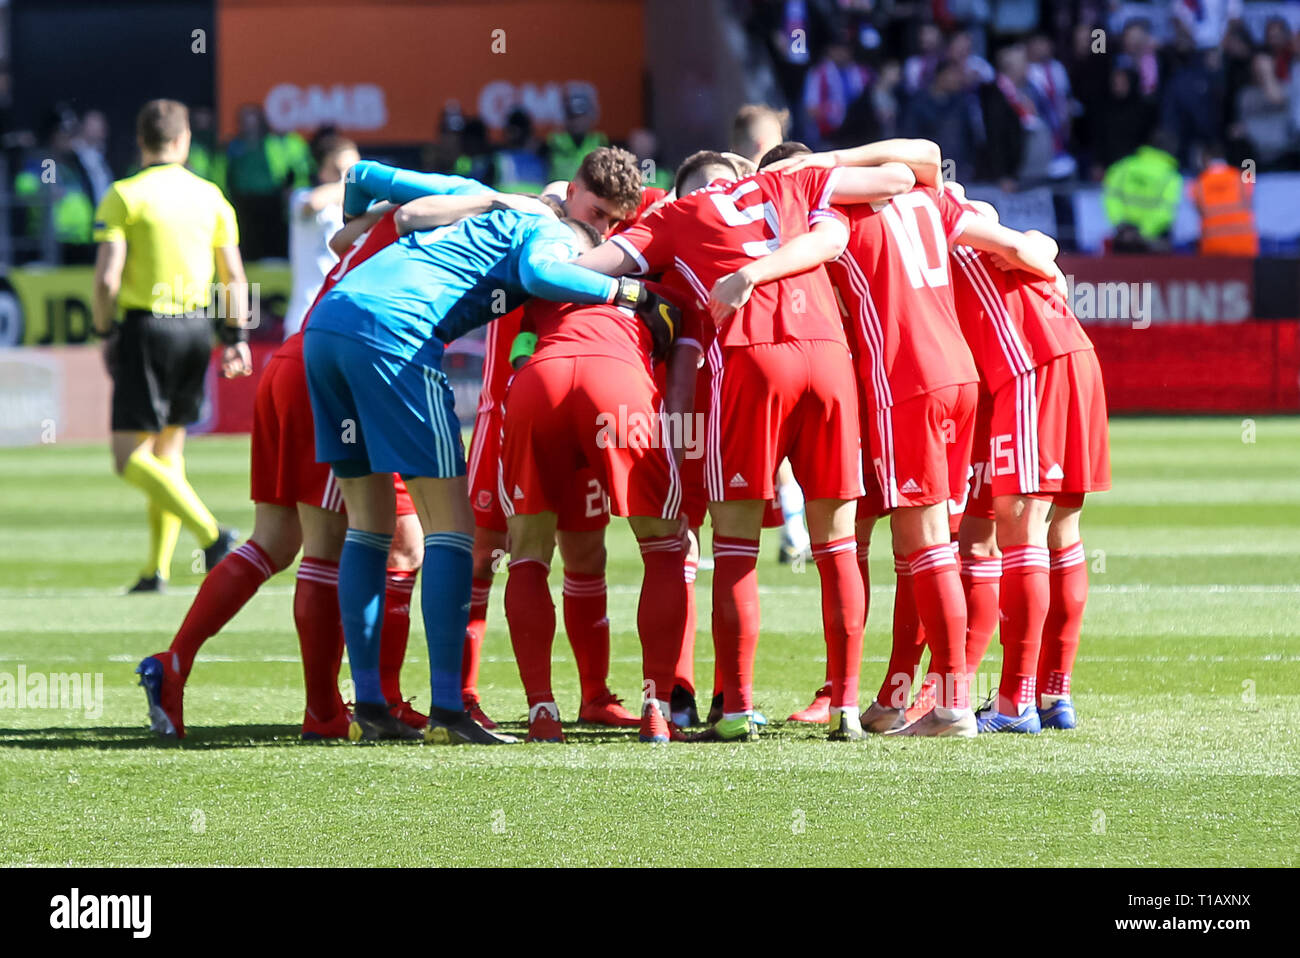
x=658 y=314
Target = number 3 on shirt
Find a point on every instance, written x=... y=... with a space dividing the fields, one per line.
x=764 y=212
x=904 y=216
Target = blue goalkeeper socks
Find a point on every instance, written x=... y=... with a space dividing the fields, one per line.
x=445 y=582
x=362 y=579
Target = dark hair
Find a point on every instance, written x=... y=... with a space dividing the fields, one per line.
x=613 y=175
x=584 y=230
x=160 y=122
x=698 y=161
x=323 y=147
x=783 y=151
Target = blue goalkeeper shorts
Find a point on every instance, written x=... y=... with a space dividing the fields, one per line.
x=376 y=412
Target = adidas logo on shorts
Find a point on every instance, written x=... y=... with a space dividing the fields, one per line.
x=910 y=487
x=1056 y=472
x=737 y=482
x=519 y=493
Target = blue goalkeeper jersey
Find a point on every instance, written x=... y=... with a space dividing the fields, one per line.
x=431 y=286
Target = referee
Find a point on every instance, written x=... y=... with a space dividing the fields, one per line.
x=159 y=234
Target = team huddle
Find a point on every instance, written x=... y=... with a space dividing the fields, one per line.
x=850 y=313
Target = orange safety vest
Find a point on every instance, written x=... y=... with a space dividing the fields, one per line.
x=1227 y=220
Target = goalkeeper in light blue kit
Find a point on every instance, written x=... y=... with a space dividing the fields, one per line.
x=373 y=351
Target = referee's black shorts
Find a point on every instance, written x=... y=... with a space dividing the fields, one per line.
x=158 y=366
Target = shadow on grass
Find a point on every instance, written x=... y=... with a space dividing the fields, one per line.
x=135 y=737
x=284 y=736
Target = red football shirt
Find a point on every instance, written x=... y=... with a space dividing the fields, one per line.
x=363 y=247
x=724 y=226
x=894 y=280
x=649 y=197
x=1012 y=320
x=572 y=330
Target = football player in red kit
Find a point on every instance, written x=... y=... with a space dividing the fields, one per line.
x=587 y=399
x=1048 y=448
x=783 y=384
x=919 y=385
x=605 y=192
x=298 y=505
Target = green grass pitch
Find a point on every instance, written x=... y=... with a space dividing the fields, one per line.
x=1188 y=688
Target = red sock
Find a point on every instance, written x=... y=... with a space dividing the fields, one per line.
x=320 y=634
x=661 y=613
x=843 y=613
x=1068 y=588
x=396 y=630
x=1023 y=603
x=224 y=592
x=587 y=624
x=530 y=614
x=908 y=645
x=864 y=570
x=735 y=619
x=686 y=661
x=478 y=603
x=941 y=607
x=980 y=577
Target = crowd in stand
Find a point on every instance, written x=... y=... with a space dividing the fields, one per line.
x=1021 y=92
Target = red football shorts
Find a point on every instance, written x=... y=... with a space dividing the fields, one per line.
x=284 y=469
x=978 y=492
x=564 y=415
x=920 y=449
x=1049 y=430
x=585 y=506
x=483 y=470
x=774 y=400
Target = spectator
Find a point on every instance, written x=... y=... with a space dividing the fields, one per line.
x=756 y=129
x=1237 y=73
x=884 y=98
x=831 y=87
x=206 y=158
x=644 y=145
x=519 y=165
x=792 y=29
x=976 y=71
x=946 y=113
x=1223 y=199
x=1190 y=108
x=1090 y=79
x=1121 y=122
x=566 y=148
x=1278 y=44
x=1018 y=143
x=54 y=189
x=920 y=66
x=441 y=155
x=1138 y=53
x=91 y=147
x=1141 y=193
x=1264 y=115
x=477 y=160
x=260 y=168
x=1051 y=87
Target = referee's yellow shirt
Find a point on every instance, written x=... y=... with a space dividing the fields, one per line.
x=171 y=221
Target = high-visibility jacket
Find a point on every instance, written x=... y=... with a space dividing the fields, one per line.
x=1143 y=190
x=566 y=153
x=1227 y=219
